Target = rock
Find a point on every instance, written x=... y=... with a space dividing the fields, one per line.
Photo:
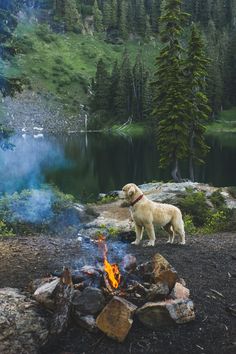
x=23 y=329
x=163 y=271
x=44 y=294
x=158 y=292
x=88 y=302
x=115 y=320
x=159 y=314
x=88 y=322
x=180 y=292
x=37 y=283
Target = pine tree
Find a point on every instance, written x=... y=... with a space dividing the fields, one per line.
x=125 y=92
x=113 y=91
x=139 y=87
x=170 y=102
x=140 y=18
x=100 y=88
x=196 y=73
x=97 y=17
x=71 y=15
x=107 y=13
x=114 y=13
x=122 y=19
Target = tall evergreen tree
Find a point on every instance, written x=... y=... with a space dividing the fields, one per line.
x=170 y=102
x=100 y=88
x=125 y=89
x=139 y=88
x=122 y=19
x=140 y=18
x=98 y=25
x=71 y=15
x=113 y=91
x=196 y=73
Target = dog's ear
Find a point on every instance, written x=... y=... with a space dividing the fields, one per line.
x=131 y=191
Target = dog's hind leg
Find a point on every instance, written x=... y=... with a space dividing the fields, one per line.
x=139 y=234
x=168 y=228
x=151 y=234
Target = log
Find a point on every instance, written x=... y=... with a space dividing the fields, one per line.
x=116 y=318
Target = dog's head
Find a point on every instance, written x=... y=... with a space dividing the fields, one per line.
x=131 y=191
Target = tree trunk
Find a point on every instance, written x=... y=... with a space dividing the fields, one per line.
x=191 y=167
x=175 y=171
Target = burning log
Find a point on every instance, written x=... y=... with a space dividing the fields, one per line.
x=115 y=320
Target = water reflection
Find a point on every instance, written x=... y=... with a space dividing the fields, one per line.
x=85 y=165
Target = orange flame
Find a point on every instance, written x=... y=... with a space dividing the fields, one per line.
x=112 y=270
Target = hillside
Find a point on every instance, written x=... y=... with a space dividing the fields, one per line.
x=53 y=48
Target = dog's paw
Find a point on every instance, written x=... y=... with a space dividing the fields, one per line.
x=136 y=243
x=150 y=244
x=183 y=243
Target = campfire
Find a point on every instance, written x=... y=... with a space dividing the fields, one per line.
x=112 y=276
x=109 y=296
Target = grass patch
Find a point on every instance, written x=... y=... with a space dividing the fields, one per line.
x=64 y=64
x=225 y=124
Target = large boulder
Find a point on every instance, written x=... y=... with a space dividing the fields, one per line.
x=23 y=329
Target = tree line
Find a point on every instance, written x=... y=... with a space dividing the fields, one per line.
x=122 y=94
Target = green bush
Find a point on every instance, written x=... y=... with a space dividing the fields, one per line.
x=189 y=225
x=4 y=230
x=216 y=222
x=195 y=205
x=218 y=200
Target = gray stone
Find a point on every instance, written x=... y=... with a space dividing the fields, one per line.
x=44 y=294
x=23 y=329
x=89 y=302
x=159 y=314
x=158 y=292
x=180 y=292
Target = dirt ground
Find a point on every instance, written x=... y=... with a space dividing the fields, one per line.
x=206 y=263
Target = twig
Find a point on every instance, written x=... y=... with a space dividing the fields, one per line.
x=217 y=293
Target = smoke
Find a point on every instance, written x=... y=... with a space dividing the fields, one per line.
x=24 y=166
x=35 y=208
x=22 y=170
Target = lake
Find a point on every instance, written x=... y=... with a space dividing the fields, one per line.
x=87 y=164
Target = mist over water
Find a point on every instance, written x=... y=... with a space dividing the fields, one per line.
x=24 y=166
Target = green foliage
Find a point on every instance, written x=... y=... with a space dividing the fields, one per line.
x=171 y=102
x=5 y=231
x=189 y=226
x=107 y=199
x=195 y=205
x=33 y=207
x=217 y=221
x=218 y=200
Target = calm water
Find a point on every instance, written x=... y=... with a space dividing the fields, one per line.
x=84 y=165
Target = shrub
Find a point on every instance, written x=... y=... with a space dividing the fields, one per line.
x=4 y=230
x=218 y=200
x=189 y=225
x=195 y=205
x=216 y=222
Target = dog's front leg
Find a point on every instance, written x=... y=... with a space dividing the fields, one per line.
x=151 y=234
x=139 y=234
